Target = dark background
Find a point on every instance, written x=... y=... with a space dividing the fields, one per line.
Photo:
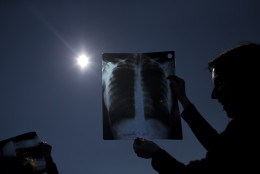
x=43 y=90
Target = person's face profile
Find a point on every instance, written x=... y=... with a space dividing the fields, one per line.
x=225 y=93
x=218 y=86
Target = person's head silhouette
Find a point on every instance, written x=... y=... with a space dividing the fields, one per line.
x=234 y=74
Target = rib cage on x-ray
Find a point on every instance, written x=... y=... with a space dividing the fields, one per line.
x=137 y=101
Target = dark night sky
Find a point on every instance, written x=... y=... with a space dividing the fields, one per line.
x=43 y=90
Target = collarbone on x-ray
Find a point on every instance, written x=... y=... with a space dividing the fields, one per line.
x=137 y=99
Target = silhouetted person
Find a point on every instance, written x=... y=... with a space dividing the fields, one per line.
x=24 y=164
x=236 y=150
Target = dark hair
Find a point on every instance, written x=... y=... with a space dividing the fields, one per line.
x=240 y=61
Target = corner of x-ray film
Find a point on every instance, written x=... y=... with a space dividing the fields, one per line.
x=25 y=145
x=136 y=95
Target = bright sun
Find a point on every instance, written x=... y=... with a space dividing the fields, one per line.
x=82 y=61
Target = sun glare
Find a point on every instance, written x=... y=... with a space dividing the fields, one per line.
x=82 y=61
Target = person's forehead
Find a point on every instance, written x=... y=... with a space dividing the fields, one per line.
x=215 y=76
x=214 y=73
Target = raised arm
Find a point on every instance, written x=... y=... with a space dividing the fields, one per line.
x=199 y=126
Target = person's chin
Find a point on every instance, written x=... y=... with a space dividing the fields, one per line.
x=224 y=108
x=230 y=114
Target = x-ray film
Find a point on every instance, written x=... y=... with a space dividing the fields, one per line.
x=25 y=146
x=136 y=95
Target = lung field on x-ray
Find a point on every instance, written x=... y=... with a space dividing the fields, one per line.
x=136 y=97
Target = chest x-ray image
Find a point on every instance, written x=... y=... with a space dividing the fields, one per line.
x=136 y=95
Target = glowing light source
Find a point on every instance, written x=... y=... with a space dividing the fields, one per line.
x=82 y=61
